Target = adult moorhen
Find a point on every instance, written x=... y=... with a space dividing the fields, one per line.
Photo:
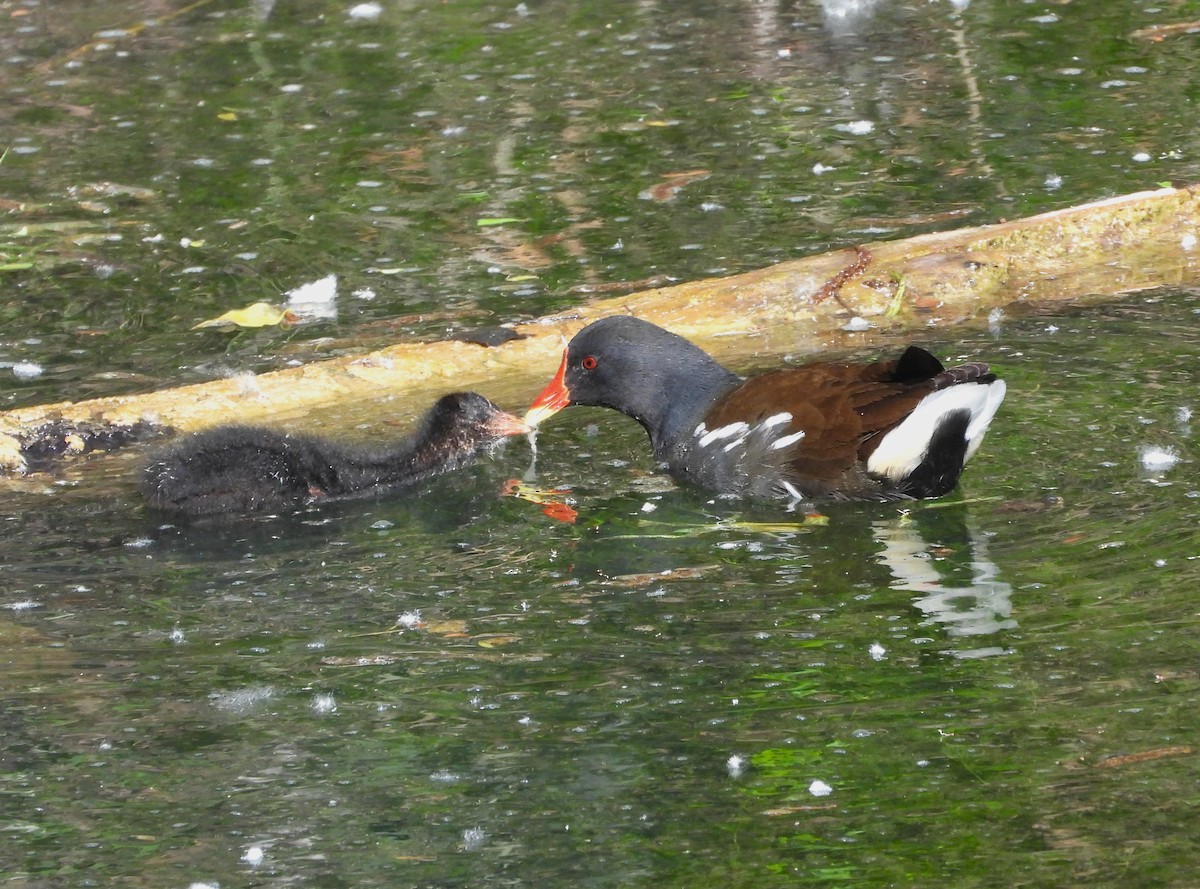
x=252 y=469
x=881 y=431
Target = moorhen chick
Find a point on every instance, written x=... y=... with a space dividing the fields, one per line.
x=887 y=430
x=229 y=469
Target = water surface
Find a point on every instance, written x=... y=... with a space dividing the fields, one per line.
x=455 y=689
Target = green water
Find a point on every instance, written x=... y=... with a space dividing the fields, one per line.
x=998 y=689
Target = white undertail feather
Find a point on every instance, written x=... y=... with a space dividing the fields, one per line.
x=979 y=422
x=904 y=448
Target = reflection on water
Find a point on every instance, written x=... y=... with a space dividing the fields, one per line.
x=979 y=607
x=844 y=17
x=455 y=685
x=457 y=163
x=665 y=696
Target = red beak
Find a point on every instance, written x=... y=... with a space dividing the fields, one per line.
x=553 y=399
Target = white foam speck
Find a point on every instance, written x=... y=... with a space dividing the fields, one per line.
x=247 y=384
x=1156 y=459
x=365 y=12
x=242 y=700
x=819 y=788
x=735 y=765
x=253 y=856
x=877 y=651
x=410 y=620
x=317 y=299
x=856 y=127
x=27 y=370
x=473 y=838
x=995 y=316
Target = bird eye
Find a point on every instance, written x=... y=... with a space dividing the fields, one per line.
x=589 y=362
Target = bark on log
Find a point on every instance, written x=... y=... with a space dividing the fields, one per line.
x=1097 y=250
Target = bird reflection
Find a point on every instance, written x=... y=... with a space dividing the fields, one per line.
x=980 y=606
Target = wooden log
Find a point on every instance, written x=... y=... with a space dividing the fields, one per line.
x=1097 y=250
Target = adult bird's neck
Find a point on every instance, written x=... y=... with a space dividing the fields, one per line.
x=688 y=392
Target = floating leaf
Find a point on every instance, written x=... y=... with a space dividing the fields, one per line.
x=227 y=115
x=495 y=640
x=256 y=315
x=112 y=190
x=652 y=578
x=375 y=660
x=447 y=627
x=497 y=220
x=810 y=520
x=1126 y=759
x=561 y=512
x=672 y=184
x=554 y=503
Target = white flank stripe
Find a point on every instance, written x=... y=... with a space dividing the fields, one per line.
x=727 y=431
x=736 y=443
x=788 y=440
x=776 y=420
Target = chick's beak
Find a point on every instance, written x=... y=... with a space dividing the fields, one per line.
x=553 y=399
x=505 y=424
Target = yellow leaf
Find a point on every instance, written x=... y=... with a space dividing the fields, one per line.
x=256 y=315
x=447 y=627
x=495 y=640
x=227 y=115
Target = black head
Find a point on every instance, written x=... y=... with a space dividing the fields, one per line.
x=655 y=376
x=467 y=422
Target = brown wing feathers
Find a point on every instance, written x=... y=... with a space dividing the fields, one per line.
x=843 y=410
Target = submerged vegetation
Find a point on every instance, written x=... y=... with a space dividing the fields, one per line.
x=463 y=688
